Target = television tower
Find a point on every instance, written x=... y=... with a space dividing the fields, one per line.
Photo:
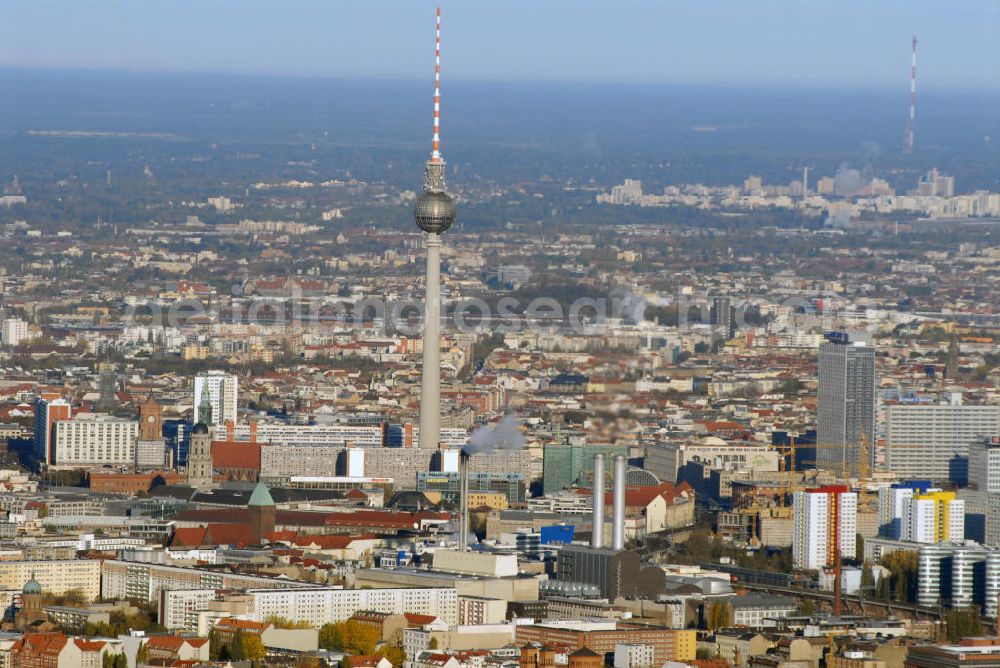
x=913 y=97
x=434 y=213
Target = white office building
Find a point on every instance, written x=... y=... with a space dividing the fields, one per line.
x=992 y=512
x=13 y=331
x=984 y=465
x=451 y=437
x=95 y=439
x=634 y=655
x=665 y=460
x=286 y=461
x=150 y=454
x=933 y=440
x=47 y=411
x=818 y=514
x=891 y=502
x=179 y=608
x=223 y=392
x=317 y=605
x=321 y=605
x=362 y=436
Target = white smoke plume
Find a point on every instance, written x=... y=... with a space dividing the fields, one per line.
x=505 y=435
x=846 y=181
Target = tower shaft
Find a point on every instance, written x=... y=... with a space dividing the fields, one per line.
x=430 y=378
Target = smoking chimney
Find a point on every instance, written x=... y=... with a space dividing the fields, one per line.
x=997 y=628
x=463 y=501
x=597 y=532
x=618 y=529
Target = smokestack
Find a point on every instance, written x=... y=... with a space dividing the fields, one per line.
x=463 y=502
x=618 y=529
x=908 y=148
x=597 y=532
x=997 y=629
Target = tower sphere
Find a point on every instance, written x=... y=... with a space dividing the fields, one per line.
x=434 y=211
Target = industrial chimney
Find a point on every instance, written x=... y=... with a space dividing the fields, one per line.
x=463 y=501
x=618 y=528
x=997 y=630
x=597 y=532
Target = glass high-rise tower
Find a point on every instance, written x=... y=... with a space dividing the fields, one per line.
x=846 y=416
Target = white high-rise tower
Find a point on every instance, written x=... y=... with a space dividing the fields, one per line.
x=220 y=392
x=434 y=213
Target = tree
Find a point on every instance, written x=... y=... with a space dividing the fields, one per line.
x=397 y=655
x=351 y=636
x=719 y=616
x=283 y=623
x=791 y=386
x=433 y=644
x=808 y=608
x=306 y=662
x=867 y=578
x=359 y=638
x=962 y=623
x=142 y=655
x=902 y=565
x=253 y=647
x=238 y=646
x=74 y=597
x=215 y=644
x=882 y=589
x=114 y=661
x=330 y=637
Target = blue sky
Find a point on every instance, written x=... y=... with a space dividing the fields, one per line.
x=793 y=43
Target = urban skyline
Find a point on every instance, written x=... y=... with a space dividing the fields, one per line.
x=642 y=377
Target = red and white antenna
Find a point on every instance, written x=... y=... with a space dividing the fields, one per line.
x=436 y=143
x=913 y=97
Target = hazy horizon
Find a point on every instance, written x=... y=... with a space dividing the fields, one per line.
x=785 y=43
x=764 y=86
x=380 y=128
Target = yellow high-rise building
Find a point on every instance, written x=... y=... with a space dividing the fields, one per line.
x=933 y=517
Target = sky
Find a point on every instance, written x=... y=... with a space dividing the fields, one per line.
x=783 y=43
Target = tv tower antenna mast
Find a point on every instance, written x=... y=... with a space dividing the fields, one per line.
x=913 y=97
x=434 y=213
